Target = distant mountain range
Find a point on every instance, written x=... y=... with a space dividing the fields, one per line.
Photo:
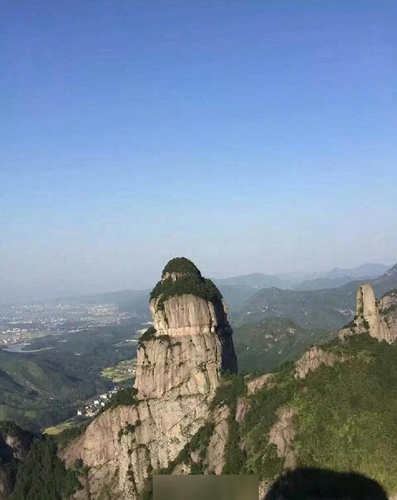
x=306 y=281
x=324 y=283
x=312 y=309
x=254 y=280
x=284 y=295
x=369 y=270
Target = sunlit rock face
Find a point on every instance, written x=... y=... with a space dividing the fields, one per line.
x=179 y=364
x=378 y=319
x=311 y=360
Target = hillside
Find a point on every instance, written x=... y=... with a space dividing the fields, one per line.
x=324 y=283
x=33 y=392
x=334 y=417
x=43 y=388
x=312 y=309
x=266 y=344
x=330 y=411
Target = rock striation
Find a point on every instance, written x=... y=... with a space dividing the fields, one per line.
x=179 y=364
x=373 y=317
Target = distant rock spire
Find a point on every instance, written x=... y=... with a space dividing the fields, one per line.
x=369 y=317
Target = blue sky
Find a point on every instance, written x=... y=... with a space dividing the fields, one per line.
x=245 y=135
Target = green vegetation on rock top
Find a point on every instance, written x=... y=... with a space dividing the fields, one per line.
x=189 y=282
x=181 y=265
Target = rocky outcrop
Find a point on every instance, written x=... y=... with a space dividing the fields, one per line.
x=187 y=315
x=312 y=359
x=219 y=438
x=243 y=406
x=373 y=317
x=179 y=365
x=256 y=384
x=388 y=307
x=282 y=435
x=369 y=315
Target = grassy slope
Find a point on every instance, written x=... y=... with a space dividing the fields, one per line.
x=345 y=416
x=329 y=309
x=266 y=344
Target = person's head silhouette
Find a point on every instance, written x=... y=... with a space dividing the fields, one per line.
x=321 y=484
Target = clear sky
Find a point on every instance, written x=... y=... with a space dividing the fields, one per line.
x=247 y=135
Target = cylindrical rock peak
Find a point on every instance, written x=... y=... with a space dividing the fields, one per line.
x=190 y=343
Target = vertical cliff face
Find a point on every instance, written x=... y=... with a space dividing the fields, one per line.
x=373 y=317
x=180 y=361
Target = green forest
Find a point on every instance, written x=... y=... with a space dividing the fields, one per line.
x=42 y=389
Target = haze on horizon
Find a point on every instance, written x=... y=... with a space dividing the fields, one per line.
x=247 y=136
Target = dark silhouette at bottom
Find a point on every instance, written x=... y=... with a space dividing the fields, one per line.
x=322 y=484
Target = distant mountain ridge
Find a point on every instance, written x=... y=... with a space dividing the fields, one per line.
x=386 y=282
x=326 y=283
x=312 y=309
x=369 y=270
x=334 y=278
x=254 y=280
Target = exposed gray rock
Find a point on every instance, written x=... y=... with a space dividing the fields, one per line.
x=217 y=444
x=256 y=384
x=312 y=359
x=282 y=435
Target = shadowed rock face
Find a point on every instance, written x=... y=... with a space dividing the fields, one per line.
x=179 y=366
x=14 y=446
